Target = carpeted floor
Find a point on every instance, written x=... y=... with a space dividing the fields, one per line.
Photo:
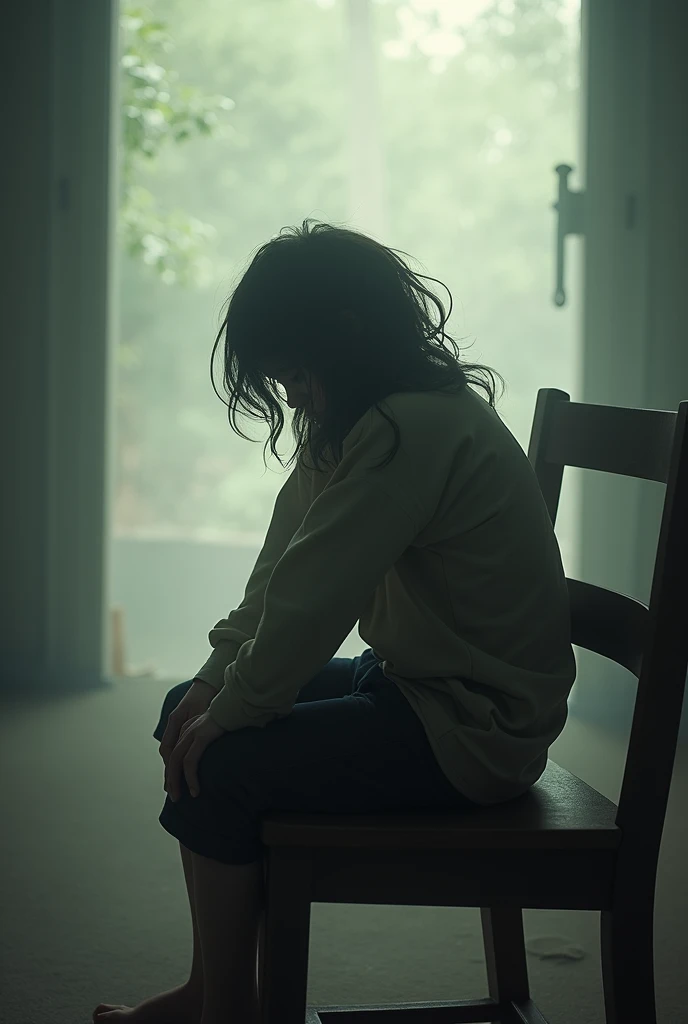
x=94 y=907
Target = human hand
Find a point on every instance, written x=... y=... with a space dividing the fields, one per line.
x=196 y=735
x=194 y=703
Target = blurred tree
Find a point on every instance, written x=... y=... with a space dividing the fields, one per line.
x=157 y=108
x=479 y=101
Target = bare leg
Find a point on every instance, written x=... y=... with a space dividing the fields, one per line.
x=182 y=1005
x=195 y=982
x=229 y=903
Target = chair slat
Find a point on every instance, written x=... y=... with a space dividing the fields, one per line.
x=460 y=1012
x=610 y=624
x=611 y=439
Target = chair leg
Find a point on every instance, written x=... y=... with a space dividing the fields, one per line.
x=505 y=954
x=626 y=939
x=284 y=952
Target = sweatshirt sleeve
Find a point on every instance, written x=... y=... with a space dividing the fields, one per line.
x=228 y=635
x=352 y=534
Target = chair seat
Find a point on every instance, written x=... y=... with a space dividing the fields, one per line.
x=559 y=812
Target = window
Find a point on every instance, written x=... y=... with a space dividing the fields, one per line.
x=435 y=126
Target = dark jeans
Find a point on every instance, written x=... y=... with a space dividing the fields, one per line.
x=352 y=744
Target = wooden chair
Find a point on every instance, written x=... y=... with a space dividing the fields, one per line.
x=560 y=846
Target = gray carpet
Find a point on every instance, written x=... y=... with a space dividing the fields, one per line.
x=94 y=906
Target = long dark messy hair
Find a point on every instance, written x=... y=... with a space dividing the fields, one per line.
x=336 y=303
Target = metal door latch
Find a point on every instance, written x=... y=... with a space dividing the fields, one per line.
x=570 y=221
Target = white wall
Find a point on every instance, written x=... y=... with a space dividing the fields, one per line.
x=57 y=216
x=25 y=43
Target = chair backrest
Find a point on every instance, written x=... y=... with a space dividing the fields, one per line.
x=651 y=641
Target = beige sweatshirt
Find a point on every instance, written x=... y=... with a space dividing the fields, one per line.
x=447 y=559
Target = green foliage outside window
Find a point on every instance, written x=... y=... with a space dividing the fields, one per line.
x=243 y=125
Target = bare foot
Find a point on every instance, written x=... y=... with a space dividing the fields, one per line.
x=180 y=1005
